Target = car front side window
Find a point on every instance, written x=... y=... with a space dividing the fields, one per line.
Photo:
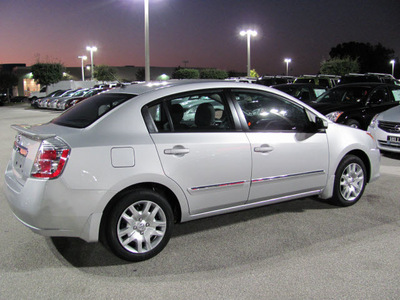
x=267 y=112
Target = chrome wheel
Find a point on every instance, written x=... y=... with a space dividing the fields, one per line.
x=352 y=182
x=141 y=227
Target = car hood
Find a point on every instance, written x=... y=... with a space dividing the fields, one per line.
x=326 y=108
x=391 y=115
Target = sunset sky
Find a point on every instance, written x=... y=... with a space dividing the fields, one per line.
x=203 y=32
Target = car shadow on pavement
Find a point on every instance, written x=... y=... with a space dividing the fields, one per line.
x=78 y=253
x=391 y=155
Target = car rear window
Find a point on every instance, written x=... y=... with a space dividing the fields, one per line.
x=91 y=109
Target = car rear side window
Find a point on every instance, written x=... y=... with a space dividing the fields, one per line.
x=91 y=109
x=200 y=111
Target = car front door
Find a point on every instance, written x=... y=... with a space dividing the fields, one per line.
x=288 y=159
x=201 y=151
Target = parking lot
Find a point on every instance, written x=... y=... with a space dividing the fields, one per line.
x=304 y=249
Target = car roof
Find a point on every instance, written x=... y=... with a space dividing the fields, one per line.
x=142 y=88
x=362 y=84
x=299 y=84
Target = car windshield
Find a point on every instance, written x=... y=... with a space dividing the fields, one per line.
x=349 y=95
x=88 y=111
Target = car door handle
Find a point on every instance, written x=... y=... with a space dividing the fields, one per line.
x=263 y=149
x=176 y=151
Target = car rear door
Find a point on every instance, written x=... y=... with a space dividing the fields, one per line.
x=287 y=158
x=201 y=151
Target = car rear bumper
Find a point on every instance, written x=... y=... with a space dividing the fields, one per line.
x=45 y=207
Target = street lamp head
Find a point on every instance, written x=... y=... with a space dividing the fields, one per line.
x=248 y=32
x=94 y=48
x=392 y=61
x=84 y=57
x=288 y=60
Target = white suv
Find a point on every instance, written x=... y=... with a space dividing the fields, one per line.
x=129 y=163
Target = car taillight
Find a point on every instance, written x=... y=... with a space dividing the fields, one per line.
x=50 y=159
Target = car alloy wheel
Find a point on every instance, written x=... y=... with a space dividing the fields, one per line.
x=350 y=181
x=140 y=225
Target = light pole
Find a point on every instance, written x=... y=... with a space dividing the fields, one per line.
x=249 y=33
x=146 y=41
x=392 y=62
x=287 y=61
x=83 y=57
x=91 y=49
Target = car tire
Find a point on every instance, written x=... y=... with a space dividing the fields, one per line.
x=140 y=225
x=350 y=181
x=353 y=123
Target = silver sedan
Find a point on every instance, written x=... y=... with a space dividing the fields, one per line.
x=385 y=128
x=124 y=166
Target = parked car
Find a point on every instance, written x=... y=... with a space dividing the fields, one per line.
x=242 y=79
x=385 y=128
x=42 y=103
x=66 y=103
x=356 y=104
x=52 y=104
x=368 y=77
x=327 y=81
x=36 y=101
x=123 y=168
x=273 y=80
x=305 y=92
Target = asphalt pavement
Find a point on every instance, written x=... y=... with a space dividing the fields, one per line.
x=303 y=249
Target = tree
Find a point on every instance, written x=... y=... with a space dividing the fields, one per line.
x=47 y=73
x=339 y=66
x=371 y=58
x=7 y=82
x=104 y=73
x=186 y=74
x=140 y=74
x=213 y=74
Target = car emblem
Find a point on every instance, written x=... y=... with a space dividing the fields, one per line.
x=397 y=128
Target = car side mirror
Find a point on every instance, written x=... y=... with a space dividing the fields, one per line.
x=317 y=125
x=320 y=124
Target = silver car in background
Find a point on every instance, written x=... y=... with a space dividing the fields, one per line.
x=125 y=165
x=385 y=128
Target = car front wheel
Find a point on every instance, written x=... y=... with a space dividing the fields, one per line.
x=140 y=225
x=350 y=181
x=353 y=123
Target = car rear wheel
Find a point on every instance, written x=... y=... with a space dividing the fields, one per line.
x=350 y=181
x=140 y=225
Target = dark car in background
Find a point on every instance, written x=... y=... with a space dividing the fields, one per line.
x=356 y=104
x=305 y=92
x=328 y=81
x=368 y=77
